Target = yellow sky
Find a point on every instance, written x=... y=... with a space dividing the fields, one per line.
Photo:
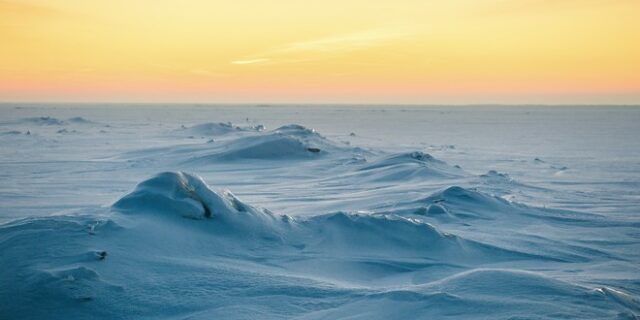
x=351 y=51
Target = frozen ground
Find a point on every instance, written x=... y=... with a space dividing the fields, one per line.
x=324 y=212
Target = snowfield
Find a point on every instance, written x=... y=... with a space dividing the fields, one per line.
x=319 y=212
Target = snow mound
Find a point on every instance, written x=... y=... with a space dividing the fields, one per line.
x=407 y=166
x=181 y=194
x=296 y=129
x=45 y=121
x=220 y=128
x=503 y=184
x=174 y=231
x=493 y=176
x=392 y=235
x=462 y=195
x=469 y=203
x=275 y=146
x=293 y=142
x=79 y=120
x=465 y=203
x=178 y=194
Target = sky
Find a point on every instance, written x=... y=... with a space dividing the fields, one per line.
x=329 y=51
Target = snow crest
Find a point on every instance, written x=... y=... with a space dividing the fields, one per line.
x=186 y=195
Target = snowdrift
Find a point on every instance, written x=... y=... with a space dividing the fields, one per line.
x=174 y=242
x=49 y=264
x=407 y=166
x=43 y=121
x=51 y=121
x=80 y=120
x=495 y=177
x=233 y=144
x=468 y=203
x=492 y=293
x=291 y=142
x=178 y=194
x=217 y=129
x=464 y=203
x=172 y=194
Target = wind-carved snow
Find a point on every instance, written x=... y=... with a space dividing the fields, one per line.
x=284 y=143
x=404 y=167
x=316 y=228
x=185 y=195
x=230 y=143
x=172 y=194
x=175 y=217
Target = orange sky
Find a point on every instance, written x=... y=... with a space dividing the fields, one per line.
x=330 y=51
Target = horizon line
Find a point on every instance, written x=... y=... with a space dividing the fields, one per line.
x=294 y=104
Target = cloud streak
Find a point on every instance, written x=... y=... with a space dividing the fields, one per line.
x=326 y=46
x=344 y=42
x=250 y=61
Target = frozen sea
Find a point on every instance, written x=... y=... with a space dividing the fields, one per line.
x=149 y=211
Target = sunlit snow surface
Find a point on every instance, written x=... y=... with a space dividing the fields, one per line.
x=319 y=212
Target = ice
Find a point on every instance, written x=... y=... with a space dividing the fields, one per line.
x=201 y=212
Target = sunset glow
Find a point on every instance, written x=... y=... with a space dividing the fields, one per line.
x=493 y=51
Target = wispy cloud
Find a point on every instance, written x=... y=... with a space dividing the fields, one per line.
x=250 y=61
x=326 y=46
x=345 y=42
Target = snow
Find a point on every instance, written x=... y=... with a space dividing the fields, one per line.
x=205 y=212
